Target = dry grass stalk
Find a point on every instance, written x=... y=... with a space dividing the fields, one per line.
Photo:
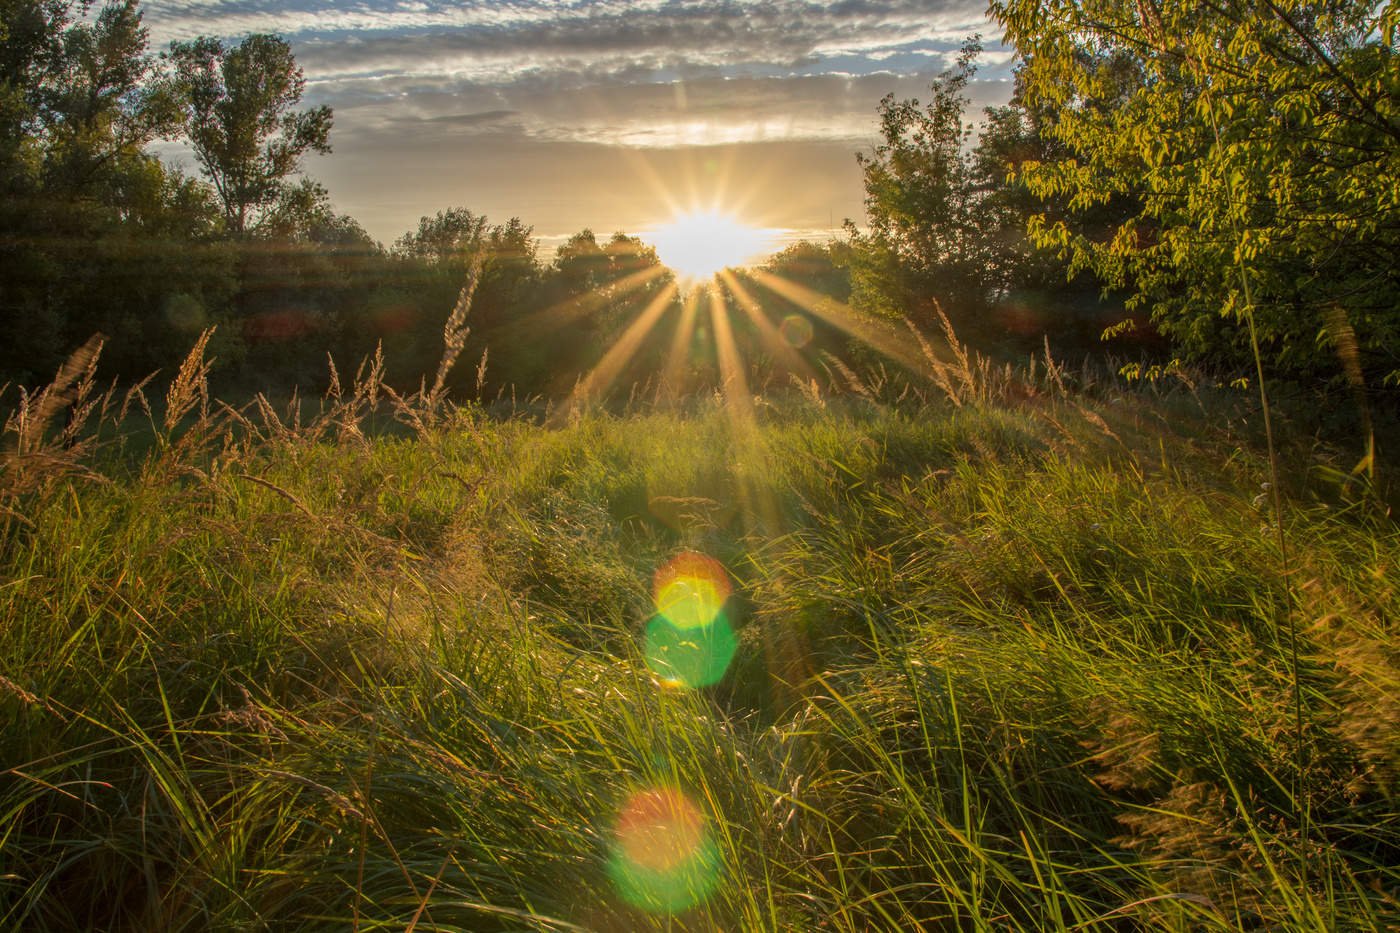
x=455 y=330
x=191 y=385
x=71 y=384
x=848 y=375
x=811 y=390
x=1054 y=373
x=481 y=372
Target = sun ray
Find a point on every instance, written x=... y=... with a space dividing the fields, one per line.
x=869 y=330
x=596 y=384
x=674 y=372
x=773 y=340
x=579 y=306
x=733 y=382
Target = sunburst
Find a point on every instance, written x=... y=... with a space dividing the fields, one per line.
x=698 y=244
x=712 y=257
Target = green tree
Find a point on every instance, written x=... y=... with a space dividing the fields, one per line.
x=303 y=213
x=926 y=236
x=239 y=114
x=1260 y=146
x=95 y=234
x=99 y=106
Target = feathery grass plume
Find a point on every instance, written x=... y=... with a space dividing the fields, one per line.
x=273 y=426
x=455 y=329
x=960 y=350
x=333 y=391
x=811 y=390
x=481 y=372
x=1053 y=371
x=191 y=385
x=30 y=419
x=848 y=375
x=369 y=383
x=137 y=394
x=937 y=368
x=39 y=455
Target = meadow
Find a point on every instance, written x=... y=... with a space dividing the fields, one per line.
x=1017 y=650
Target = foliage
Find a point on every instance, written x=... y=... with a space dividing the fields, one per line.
x=1258 y=145
x=98 y=235
x=947 y=226
x=925 y=241
x=238 y=115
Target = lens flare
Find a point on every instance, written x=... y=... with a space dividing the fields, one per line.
x=689 y=657
x=663 y=857
x=690 y=589
x=689 y=643
x=796 y=330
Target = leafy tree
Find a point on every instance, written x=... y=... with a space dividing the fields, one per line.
x=434 y=262
x=925 y=238
x=95 y=234
x=240 y=119
x=99 y=106
x=444 y=238
x=303 y=213
x=1260 y=146
x=30 y=33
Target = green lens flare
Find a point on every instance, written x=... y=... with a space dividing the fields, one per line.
x=663 y=859
x=689 y=656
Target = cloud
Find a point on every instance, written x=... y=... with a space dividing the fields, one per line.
x=574 y=113
x=500 y=43
x=485 y=118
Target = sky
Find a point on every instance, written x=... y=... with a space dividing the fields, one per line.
x=612 y=115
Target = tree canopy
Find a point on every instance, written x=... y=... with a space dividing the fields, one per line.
x=1259 y=144
x=240 y=119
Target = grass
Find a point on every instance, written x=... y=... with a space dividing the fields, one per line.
x=1015 y=661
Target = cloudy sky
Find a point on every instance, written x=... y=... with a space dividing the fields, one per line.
x=608 y=114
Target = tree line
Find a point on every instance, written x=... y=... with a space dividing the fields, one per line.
x=1173 y=176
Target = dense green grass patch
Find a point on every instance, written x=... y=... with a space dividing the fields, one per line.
x=1019 y=667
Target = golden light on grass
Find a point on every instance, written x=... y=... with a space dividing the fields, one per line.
x=698 y=244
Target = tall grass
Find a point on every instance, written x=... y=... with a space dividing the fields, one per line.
x=1009 y=659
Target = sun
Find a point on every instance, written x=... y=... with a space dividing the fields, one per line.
x=699 y=244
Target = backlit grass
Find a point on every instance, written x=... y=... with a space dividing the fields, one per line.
x=1018 y=663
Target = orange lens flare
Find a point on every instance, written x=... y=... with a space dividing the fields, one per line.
x=659 y=830
x=663 y=858
x=691 y=589
x=689 y=643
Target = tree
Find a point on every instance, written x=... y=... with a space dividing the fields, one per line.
x=98 y=106
x=925 y=240
x=1260 y=145
x=95 y=234
x=303 y=213
x=240 y=119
